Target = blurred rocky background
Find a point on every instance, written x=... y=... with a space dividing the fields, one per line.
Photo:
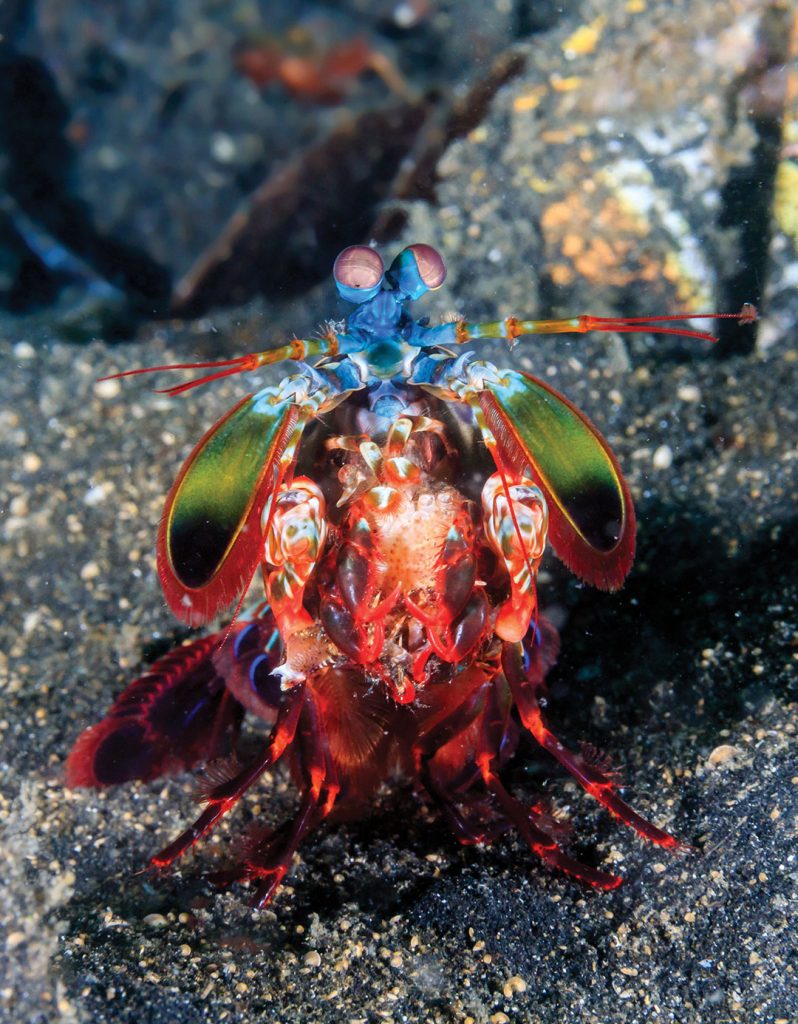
x=175 y=181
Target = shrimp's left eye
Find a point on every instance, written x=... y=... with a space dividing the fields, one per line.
x=417 y=269
x=431 y=268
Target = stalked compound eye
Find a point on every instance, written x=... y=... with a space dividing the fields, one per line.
x=431 y=268
x=417 y=269
x=358 y=273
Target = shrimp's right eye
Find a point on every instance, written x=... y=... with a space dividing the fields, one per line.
x=358 y=272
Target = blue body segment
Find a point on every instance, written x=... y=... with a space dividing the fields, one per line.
x=382 y=331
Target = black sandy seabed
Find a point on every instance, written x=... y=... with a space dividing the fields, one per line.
x=687 y=676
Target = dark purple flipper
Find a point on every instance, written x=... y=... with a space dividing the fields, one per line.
x=174 y=715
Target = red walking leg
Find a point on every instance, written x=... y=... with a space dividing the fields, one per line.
x=225 y=795
x=528 y=821
x=527 y=689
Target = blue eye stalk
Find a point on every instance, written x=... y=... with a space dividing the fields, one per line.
x=416 y=270
x=360 y=275
x=358 y=272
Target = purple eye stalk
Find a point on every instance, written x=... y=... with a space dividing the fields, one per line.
x=358 y=273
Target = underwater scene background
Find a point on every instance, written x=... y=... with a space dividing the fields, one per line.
x=175 y=182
